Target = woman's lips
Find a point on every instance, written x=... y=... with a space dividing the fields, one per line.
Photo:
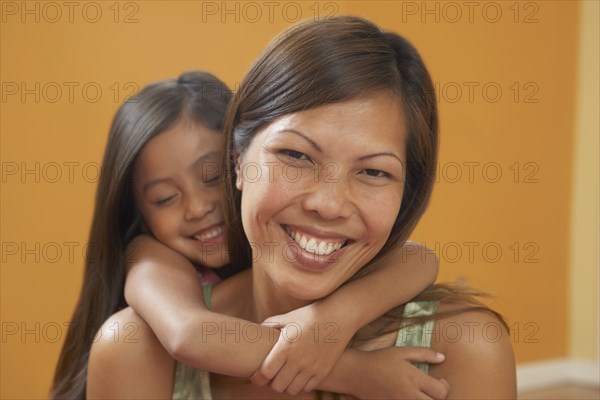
x=315 y=245
x=312 y=253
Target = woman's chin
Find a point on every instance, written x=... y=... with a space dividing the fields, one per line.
x=306 y=291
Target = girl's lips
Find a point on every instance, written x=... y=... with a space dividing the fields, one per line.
x=212 y=235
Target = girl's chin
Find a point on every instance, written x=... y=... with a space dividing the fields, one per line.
x=209 y=262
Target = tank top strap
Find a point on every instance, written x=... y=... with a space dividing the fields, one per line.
x=207 y=295
x=418 y=335
x=188 y=382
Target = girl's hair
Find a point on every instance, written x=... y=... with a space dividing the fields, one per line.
x=327 y=61
x=332 y=60
x=197 y=96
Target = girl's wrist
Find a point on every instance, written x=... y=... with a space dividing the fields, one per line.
x=345 y=321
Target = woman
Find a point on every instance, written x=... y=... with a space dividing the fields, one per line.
x=332 y=139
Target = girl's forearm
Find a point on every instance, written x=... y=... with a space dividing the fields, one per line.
x=345 y=375
x=394 y=280
x=222 y=344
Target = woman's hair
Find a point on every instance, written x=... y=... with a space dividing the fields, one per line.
x=333 y=60
x=327 y=61
x=197 y=96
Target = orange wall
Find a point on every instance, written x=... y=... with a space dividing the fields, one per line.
x=52 y=141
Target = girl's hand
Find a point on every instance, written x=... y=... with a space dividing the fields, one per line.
x=389 y=374
x=306 y=351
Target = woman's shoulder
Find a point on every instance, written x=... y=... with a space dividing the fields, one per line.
x=479 y=357
x=127 y=360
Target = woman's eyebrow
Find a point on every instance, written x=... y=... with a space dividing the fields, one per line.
x=383 y=153
x=312 y=142
x=362 y=158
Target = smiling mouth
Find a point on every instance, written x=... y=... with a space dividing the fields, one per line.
x=209 y=234
x=315 y=245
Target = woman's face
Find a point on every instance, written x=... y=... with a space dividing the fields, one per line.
x=321 y=190
x=178 y=191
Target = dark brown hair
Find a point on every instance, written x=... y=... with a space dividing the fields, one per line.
x=333 y=60
x=198 y=96
x=326 y=61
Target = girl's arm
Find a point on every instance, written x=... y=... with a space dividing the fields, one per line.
x=328 y=325
x=136 y=366
x=163 y=287
x=386 y=373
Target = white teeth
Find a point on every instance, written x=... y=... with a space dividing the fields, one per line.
x=210 y=234
x=323 y=247
x=313 y=246
x=302 y=241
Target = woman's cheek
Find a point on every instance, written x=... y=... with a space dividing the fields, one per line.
x=383 y=221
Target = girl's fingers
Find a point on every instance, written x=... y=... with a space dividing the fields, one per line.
x=298 y=383
x=421 y=354
x=435 y=388
x=274 y=322
x=283 y=379
x=270 y=367
x=312 y=383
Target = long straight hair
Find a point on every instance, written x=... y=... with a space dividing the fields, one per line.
x=198 y=96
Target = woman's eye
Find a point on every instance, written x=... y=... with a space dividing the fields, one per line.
x=375 y=173
x=294 y=154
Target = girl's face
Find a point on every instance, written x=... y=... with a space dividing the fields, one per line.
x=321 y=190
x=178 y=191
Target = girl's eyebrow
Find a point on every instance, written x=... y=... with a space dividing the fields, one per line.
x=318 y=148
x=210 y=155
x=155 y=182
x=201 y=160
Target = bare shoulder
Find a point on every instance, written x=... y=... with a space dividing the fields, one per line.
x=479 y=361
x=143 y=241
x=127 y=361
x=145 y=246
x=147 y=252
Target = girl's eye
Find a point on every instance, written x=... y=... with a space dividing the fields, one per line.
x=212 y=180
x=296 y=155
x=164 y=201
x=375 y=173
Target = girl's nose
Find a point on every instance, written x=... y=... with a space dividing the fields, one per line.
x=198 y=207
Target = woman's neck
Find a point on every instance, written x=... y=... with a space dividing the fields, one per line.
x=253 y=296
x=269 y=299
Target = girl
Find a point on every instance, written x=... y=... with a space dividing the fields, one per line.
x=159 y=222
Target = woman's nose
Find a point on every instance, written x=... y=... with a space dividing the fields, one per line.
x=329 y=198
